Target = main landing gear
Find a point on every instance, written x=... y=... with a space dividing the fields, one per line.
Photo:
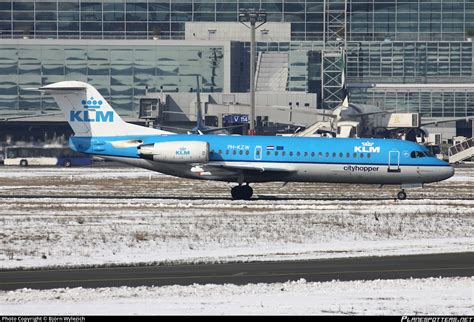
x=242 y=192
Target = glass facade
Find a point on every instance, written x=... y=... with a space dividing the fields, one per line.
x=402 y=62
x=414 y=63
x=367 y=20
x=119 y=72
x=429 y=103
x=388 y=41
x=298 y=71
x=394 y=63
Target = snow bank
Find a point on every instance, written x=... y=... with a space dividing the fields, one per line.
x=433 y=296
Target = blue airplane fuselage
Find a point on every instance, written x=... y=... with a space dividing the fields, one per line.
x=383 y=161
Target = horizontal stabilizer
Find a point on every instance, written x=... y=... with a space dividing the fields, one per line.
x=46 y=89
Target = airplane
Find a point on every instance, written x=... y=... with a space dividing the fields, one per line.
x=100 y=131
x=346 y=120
x=361 y=120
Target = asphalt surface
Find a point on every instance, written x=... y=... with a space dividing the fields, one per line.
x=367 y=268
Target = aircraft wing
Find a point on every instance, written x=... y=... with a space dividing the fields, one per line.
x=234 y=170
x=304 y=111
x=242 y=166
x=28 y=116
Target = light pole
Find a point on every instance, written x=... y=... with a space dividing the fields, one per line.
x=253 y=16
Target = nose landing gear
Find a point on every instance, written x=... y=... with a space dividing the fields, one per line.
x=242 y=192
x=402 y=195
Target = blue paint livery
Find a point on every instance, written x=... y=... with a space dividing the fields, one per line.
x=291 y=149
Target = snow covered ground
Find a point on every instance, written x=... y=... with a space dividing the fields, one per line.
x=100 y=216
x=433 y=296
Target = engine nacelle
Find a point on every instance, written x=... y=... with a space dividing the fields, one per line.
x=176 y=152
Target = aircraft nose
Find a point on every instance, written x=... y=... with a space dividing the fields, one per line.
x=447 y=172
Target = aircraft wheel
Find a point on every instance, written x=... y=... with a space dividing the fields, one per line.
x=23 y=163
x=67 y=163
x=236 y=192
x=241 y=192
x=401 y=195
x=247 y=192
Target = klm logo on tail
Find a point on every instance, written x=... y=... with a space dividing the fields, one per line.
x=92 y=112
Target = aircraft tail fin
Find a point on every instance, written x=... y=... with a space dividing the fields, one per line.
x=89 y=114
x=345 y=102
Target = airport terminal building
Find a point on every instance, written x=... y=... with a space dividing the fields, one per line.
x=403 y=55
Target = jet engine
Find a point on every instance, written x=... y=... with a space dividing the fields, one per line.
x=176 y=152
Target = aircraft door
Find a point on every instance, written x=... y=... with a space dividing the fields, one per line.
x=258 y=153
x=394 y=161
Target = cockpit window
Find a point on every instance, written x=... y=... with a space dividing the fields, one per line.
x=429 y=153
x=417 y=154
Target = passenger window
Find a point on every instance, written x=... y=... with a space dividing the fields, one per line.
x=362 y=155
x=291 y=153
x=241 y=152
x=368 y=156
x=283 y=153
x=226 y=151
x=327 y=154
x=306 y=154
x=268 y=152
x=320 y=154
x=334 y=154
x=257 y=153
x=355 y=155
x=348 y=155
x=220 y=151
x=248 y=152
x=234 y=152
x=312 y=154
x=298 y=153
x=340 y=154
x=276 y=153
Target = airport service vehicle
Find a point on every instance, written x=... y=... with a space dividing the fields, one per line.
x=46 y=156
x=99 y=130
